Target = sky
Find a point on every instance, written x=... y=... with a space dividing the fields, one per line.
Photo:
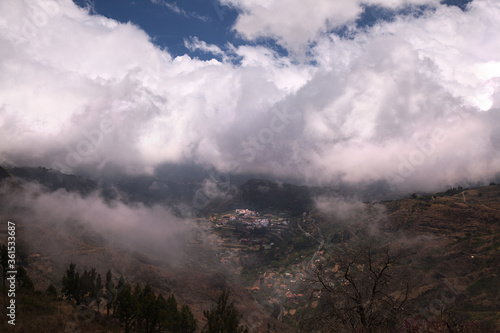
x=352 y=91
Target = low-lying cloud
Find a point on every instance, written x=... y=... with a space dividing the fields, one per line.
x=69 y=221
x=351 y=210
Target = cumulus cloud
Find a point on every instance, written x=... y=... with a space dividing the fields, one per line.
x=292 y=22
x=414 y=101
x=410 y=97
x=296 y=23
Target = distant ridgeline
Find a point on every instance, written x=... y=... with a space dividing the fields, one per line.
x=53 y=179
x=267 y=196
x=256 y=194
x=4 y=173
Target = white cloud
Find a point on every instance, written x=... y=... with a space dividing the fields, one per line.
x=195 y=44
x=295 y=23
x=390 y=88
x=154 y=230
x=292 y=22
x=83 y=91
x=393 y=4
x=178 y=10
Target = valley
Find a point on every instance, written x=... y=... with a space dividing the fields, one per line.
x=282 y=266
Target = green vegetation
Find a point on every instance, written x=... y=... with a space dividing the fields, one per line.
x=134 y=307
x=488 y=285
x=137 y=309
x=453 y=247
x=224 y=318
x=79 y=288
x=419 y=206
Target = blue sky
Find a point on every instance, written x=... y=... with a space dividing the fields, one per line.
x=406 y=91
x=169 y=23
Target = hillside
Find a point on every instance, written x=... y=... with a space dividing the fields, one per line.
x=452 y=241
x=167 y=190
x=463 y=232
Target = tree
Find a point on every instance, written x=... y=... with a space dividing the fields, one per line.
x=121 y=283
x=224 y=318
x=365 y=292
x=87 y=285
x=71 y=284
x=51 y=291
x=110 y=293
x=81 y=288
x=187 y=323
x=171 y=314
x=126 y=307
x=24 y=281
x=149 y=309
x=163 y=316
x=97 y=292
x=119 y=289
x=138 y=296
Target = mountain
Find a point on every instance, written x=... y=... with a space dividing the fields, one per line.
x=452 y=240
x=268 y=196
x=4 y=173
x=53 y=179
x=174 y=186
x=145 y=189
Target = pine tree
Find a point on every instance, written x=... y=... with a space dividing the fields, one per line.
x=51 y=291
x=97 y=292
x=138 y=292
x=161 y=303
x=126 y=307
x=110 y=294
x=187 y=323
x=71 y=284
x=81 y=288
x=172 y=314
x=224 y=318
x=138 y=297
x=87 y=285
x=119 y=289
x=121 y=284
x=24 y=281
x=149 y=309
